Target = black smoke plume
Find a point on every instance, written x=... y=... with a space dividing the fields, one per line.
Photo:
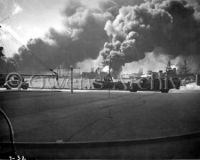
x=113 y=6
x=7 y=65
x=82 y=38
x=171 y=27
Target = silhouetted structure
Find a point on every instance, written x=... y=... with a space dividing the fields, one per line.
x=1 y=52
x=184 y=69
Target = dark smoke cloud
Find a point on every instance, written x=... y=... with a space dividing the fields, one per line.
x=7 y=65
x=83 y=37
x=171 y=25
x=113 y=6
x=72 y=7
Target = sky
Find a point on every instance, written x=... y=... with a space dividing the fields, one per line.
x=22 y=20
x=120 y=30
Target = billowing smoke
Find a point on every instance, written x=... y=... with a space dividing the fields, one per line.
x=80 y=42
x=7 y=65
x=134 y=31
x=90 y=64
x=156 y=62
x=149 y=62
x=82 y=39
x=113 y=6
x=170 y=27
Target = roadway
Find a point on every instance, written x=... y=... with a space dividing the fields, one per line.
x=58 y=116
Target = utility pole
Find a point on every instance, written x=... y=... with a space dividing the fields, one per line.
x=71 y=69
x=109 y=74
x=109 y=66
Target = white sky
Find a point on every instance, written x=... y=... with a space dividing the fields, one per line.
x=28 y=19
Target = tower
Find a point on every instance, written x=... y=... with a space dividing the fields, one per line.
x=168 y=68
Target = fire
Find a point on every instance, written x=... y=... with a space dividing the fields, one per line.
x=105 y=69
x=174 y=66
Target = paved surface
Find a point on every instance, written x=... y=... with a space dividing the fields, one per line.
x=44 y=116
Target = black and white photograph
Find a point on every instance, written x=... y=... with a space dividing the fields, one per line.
x=99 y=79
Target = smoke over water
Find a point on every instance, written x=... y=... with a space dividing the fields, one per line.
x=168 y=27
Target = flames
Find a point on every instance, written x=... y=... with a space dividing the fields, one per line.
x=106 y=69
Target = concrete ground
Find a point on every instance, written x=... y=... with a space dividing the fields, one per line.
x=46 y=116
